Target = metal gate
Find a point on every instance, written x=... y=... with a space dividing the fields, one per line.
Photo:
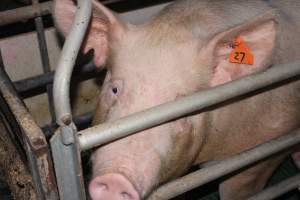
x=67 y=143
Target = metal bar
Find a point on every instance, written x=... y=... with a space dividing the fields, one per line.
x=25 y=13
x=278 y=189
x=28 y=12
x=64 y=145
x=67 y=60
x=67 y=164
x=31 y=137
x=13 y=167
x=44 y=57
x=41 y=81
x=79 y=121
x=205 y=175
x=123 y=127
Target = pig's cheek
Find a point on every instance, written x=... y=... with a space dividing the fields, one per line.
x=101 y=112
x=182 y=152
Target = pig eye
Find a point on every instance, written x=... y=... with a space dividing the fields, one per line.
x=115 y=90
x=116 y=87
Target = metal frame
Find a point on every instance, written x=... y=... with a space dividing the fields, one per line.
x=123 y=127
x=67 y=143
x=32 y=11
x=108 y=132
x=30 y=137
x=44 y=57
x=227 y=166
x=64 y=145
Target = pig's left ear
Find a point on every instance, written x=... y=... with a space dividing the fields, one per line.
x=104 y=27
x=243 y=49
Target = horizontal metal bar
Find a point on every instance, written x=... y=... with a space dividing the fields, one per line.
x=40 y=81
x=61 y=86
x=278 y=189
x=41 y=9
x=25 y=13
x=123 y=127
x=205 y=175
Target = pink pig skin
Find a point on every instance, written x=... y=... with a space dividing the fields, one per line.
x=184 y=49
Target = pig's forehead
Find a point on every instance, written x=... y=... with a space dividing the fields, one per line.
x=145 y=48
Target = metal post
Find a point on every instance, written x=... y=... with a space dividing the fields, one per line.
x=67 y=164
x=66 y=154
x=205 y=175
x=44 y=57
x=29 y=136
x=123 y=127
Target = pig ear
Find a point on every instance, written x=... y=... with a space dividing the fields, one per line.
x=243 y=49
x=104 y=25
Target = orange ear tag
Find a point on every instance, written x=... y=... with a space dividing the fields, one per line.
x=241 y=53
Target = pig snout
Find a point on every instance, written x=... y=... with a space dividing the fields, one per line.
x=112 y=187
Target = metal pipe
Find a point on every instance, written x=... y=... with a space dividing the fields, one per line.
x=40 y=81
x=205 y=175
x=25 y=13
x=67 y=60
x=123 y=127
x=44 y=57
x=278 y=189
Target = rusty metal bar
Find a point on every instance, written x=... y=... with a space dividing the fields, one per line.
x=32 y=140
x=205 y=175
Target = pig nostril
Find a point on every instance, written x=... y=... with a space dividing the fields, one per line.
x=126 y=196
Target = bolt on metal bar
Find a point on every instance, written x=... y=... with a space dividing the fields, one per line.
x=278 y=189
x=123 y=127
x=44 y=57
x=67 y=60
x=79 y=121
x=207 y=174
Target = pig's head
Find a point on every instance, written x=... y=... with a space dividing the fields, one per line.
x=149 y=65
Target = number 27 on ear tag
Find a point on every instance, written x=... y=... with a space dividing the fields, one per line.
x=241 y=53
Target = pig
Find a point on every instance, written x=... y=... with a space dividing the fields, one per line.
x=187 y=48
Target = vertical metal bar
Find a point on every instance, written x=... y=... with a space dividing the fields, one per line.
x=67 y=163
x=45 y=58
x=31 y=138
x=64 y=144
x=67 y=60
